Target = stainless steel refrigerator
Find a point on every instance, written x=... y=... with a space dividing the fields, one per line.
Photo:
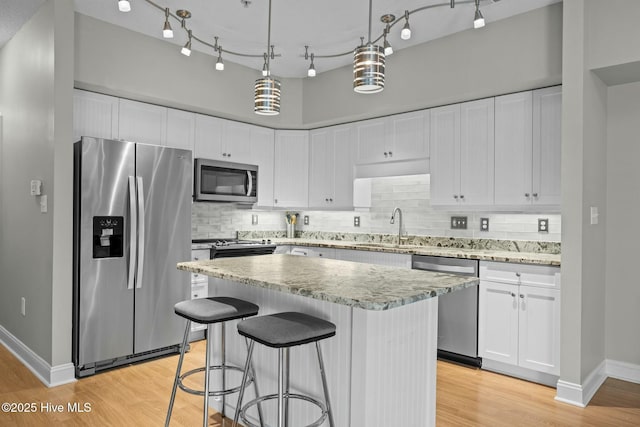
x=132 y=224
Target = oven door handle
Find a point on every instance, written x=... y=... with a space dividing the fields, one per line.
x=454 y=269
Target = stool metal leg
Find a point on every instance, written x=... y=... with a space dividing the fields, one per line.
x=222 y=363
x=243 y=384
x=178 y=369
x=324 y=385
x=255 y=385
x=287 y=365
x=281 y=386
x=207 y=371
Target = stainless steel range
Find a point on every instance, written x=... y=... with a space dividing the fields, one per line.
x=225 y=248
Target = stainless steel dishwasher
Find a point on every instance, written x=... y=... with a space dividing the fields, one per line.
x=457 y=311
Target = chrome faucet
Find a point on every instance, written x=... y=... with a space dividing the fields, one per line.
x=393 y=221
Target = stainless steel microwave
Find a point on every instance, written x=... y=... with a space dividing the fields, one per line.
x=218 y=181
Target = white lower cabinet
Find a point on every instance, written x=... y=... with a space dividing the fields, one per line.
x=519 y=319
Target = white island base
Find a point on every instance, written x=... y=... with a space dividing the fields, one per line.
x=381 y=365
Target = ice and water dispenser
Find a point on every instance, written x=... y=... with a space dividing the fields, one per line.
x=108 y=236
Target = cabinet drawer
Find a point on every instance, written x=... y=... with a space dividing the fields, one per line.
x=521 y=274
x=199 y=291
x=200 y=254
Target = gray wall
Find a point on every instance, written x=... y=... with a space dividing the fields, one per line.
x=120 y=62
x=623 y=229
x=519 y=53
x=35 y=99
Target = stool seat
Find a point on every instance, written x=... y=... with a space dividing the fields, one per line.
x=215 y=309
x=286 y=329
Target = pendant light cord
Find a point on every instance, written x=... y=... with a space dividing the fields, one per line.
x=370 y=15
x=269 y=41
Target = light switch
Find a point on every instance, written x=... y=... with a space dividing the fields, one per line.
x=306 y=220
x=594 y=215
x=36 y=187
x=254 y=219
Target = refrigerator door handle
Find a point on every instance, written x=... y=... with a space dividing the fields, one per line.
x=249 y=187
x=141 y=230
x=133 y=233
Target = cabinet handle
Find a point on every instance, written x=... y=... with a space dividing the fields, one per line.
x=331 y=200
x=455 y=196
x=522 y=296
x=319 y=254
x=461 y=196
x=513 y=295
x=326 y=200
x=526 y=195
x=386 y=154
x=517 y=274
x=224 y=154
x=535 y=194
x=390 y=154
x=228 y=154
x=275 y=200
x=195 y=296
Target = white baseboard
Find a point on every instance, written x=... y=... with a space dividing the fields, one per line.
x=623 y=371
x=50 y=376
x=580 y=395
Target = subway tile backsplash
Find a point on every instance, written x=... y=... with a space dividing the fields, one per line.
x=410 y=193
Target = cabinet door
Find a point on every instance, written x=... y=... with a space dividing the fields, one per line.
x=262 y=152
x=208 y=133
x=141 y=122
x=498 y=322
x=445 y=155
x=321 y=168
x=513 y=149
x=180 y=129
x=539 y=329
x=236 y=142
x=547 y=137
x=409 y=134
x=371 y=141
x=291 y=174
x=477 y=152
x=343 y=167
x=94 y=115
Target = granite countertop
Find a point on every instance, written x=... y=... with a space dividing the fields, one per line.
x=480 y=254
x=366 y=286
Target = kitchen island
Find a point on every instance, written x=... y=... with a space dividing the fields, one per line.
x=381 y=365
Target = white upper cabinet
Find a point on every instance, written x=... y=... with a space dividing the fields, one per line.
x=331 y=168
x=514 y=149
x=547 y=141
x=181 y=129
x=528 y=143
x=291 y=173
x=262 y=150
x=236 y=142
x=393 y=138
x=208 y=134
x=94 y=115
x=141 y=122
x=462 y=150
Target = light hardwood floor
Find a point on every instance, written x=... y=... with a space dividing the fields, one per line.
x=138 y=396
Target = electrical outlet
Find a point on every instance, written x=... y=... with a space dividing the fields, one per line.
x=459 y=222
x=23 y=306
x=306 y=220
x=356 y=221
x=543 y=225
x=254 y=219
x=484 y=224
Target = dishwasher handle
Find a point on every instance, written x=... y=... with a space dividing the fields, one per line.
x=454 y=269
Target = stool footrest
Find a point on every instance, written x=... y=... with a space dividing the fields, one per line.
x=274 y=396
x=213 y=393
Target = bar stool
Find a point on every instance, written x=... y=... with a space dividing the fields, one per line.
x=283 y=331
x=210 y=311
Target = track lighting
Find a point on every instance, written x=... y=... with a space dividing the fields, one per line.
x=124 y=6
x=186 y=50
x=388 y=49
x=478 y=21
x=167 y=31
x=311 y=72
x=405 y=34
x=219 y=63
x=265 y=67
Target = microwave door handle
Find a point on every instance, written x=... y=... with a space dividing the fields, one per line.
x=133 y=231
x=249 y=185
x=140 y=233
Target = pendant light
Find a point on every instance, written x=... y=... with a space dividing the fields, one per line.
x=167 y=31
x=368 y=65
x=267 y=89
x=478 y=20
x=124 y=6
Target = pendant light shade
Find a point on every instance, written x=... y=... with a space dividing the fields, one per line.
x=267 y=96
x=124 y=6
x=368 y=69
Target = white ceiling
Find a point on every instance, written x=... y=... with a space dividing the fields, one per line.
x=327 y=26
